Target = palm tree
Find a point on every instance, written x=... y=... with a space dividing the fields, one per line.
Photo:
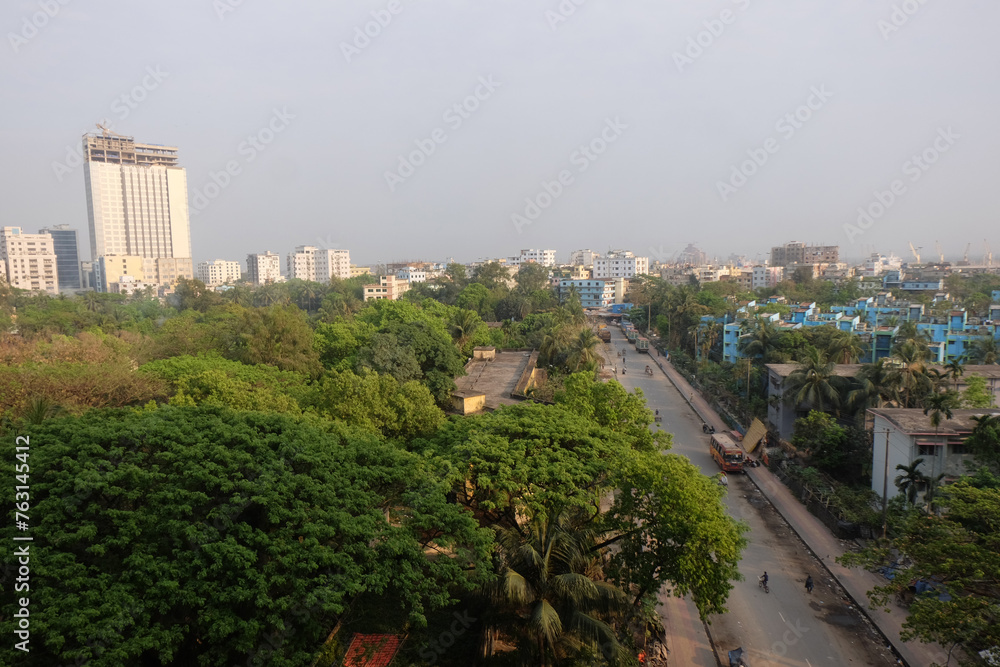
x=464 y=326
x=91 y=301
x=877 y=388
x=910 y=481
x=583 y=351
x=845 y=347
x=307 y=296
x=984 y=350
x=549 y=596
x=956 y=369
x=38 y=409
x=814 y=383
x=911 y=371
x=940 y=404
x=762 y=341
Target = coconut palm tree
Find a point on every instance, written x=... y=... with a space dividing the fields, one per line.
x=877 y=387
x=845 y=347
x=548 y=594
x=814 y=383
x=464 y=326
x=91 y=301
x=910 y=481
x=956 y=369
x=911 y=370
x=583 y=351
x=763 y=340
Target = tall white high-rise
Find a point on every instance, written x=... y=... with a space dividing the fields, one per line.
x=137 y=204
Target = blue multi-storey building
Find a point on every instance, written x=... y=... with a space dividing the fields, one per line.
x=592 y=293
x=876 y=320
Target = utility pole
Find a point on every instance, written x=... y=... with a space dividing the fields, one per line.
x=885 y=489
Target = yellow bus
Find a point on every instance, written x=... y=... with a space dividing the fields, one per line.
x=726 y=452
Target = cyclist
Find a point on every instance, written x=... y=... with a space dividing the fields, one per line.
x=809 y=584
x=764 y=579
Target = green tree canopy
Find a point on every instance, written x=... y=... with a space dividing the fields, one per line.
x=959 y=554
x=201 y=536
x=531 y=462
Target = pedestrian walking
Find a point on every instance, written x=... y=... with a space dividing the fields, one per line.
x=809 y=584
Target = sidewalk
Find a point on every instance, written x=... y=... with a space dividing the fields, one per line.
x=818 y=538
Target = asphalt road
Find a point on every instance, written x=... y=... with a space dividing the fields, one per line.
x=788 y=626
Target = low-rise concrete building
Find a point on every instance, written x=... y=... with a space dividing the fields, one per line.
x=904 y=435
x=387 y=287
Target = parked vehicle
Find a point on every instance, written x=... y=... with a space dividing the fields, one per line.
x=642 y=344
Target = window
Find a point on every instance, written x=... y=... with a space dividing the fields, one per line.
x=960 y=448
x=927 y=450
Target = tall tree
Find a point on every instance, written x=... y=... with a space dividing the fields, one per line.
x=814 y=383
x=911 y=371
x=583 y=351
x=957 y=553
x=877 y=387
x=548 y=596
x=762 y=341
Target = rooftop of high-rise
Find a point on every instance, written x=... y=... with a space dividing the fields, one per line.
x=119 y=149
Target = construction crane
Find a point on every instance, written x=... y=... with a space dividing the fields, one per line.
x=915 y=253
x=965 y=258
x=988 y=259
x=940 y=251
x=108 y=132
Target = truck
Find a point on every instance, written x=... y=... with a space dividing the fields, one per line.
x=631 y=335
x=604 y=334
x=642 y=345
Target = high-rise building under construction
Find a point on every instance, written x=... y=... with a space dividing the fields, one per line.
x=137 y=205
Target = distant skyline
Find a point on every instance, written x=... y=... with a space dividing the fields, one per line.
x=402 y=130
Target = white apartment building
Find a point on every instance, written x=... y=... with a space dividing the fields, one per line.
x=767 y=276
x=412 y=275
x=137 y=202
x=264 y=268
x=583 y=258
x=332 y=264
x=301 y=264
x=620 y=264
x=877 y=264
x=543 y=257
x=29 y=260
x=219 y=272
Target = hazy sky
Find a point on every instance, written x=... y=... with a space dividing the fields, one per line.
x=643 y=109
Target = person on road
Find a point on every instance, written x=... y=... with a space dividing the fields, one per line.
x=764 y=578
x=809 y=584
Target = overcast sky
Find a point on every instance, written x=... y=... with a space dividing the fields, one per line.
x=669 y=99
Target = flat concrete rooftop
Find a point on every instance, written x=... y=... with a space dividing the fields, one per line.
x=497 y=378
